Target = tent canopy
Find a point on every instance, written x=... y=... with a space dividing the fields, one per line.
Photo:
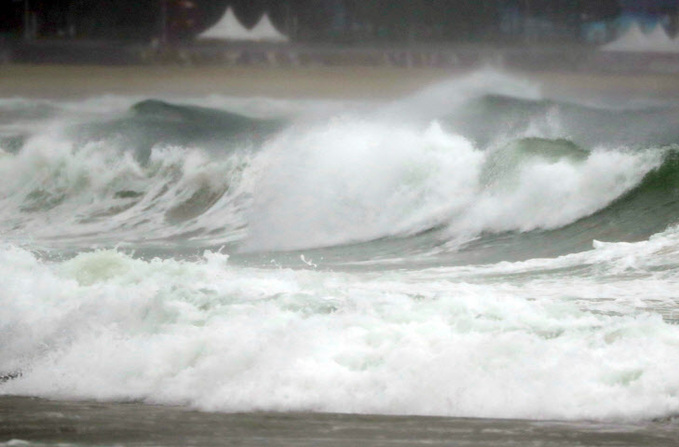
x=266 y=31
x=634 y=40
x=230 y=28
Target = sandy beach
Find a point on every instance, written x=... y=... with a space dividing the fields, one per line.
x=68 y=81
x=24 y=419
x=332 y=83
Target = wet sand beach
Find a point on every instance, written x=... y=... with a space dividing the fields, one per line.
x=371 y=83
x=333 y=83
x=24 y=421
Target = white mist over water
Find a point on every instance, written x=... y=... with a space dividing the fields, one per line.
x=588 y=335
x=353 y=181
x=443 y=98
x=357 y=181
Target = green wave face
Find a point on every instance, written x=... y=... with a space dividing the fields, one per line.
x=493 y=118
x=499 y=178
x=153 y=122
x=649 y=208
x=503 y=167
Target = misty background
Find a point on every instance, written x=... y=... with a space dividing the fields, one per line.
x=344 y=22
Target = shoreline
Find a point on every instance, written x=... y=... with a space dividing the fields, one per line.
x=73 y=81
x=88 y=422
x=347 y=82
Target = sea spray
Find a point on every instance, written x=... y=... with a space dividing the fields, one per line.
x=482 y=251
x=355 y=181
x=357 y=177
x=220 y=337
x=352 y=181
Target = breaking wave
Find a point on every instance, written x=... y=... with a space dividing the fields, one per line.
x=477 y=250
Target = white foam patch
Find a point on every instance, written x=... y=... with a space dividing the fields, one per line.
x=454 y=341
x=354 y=180
x=443 y=98
x=62 y=191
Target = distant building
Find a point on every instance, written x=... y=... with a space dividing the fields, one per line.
x=597 y=32
x=511 y=20
x=338 y=16
x=647 y=14
x=533 y=21
x=649 y=7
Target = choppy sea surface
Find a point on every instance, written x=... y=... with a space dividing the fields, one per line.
x=477 y=250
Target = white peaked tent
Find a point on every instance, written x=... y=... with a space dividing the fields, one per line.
x=634 y=40
x=660 y=40
x=266 y=31
x=228 y=28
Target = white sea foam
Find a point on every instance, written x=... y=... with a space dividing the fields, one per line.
x=452 y=341
x=354 y=180
x=443 y=98
x=56 y=187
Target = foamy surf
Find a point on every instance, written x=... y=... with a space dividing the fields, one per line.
x=455 y=342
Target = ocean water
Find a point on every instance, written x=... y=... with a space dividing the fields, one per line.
x=477 y=250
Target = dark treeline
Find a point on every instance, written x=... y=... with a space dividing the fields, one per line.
x=329 y=20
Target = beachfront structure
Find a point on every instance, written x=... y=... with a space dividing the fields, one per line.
x=339 y=21
x=228 y=28
x=635 y=40
x=654 y=7
x=265 y=31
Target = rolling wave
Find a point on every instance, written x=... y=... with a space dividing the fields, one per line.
x=498 y=177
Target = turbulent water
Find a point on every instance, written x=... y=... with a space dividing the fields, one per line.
x=476 y=250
